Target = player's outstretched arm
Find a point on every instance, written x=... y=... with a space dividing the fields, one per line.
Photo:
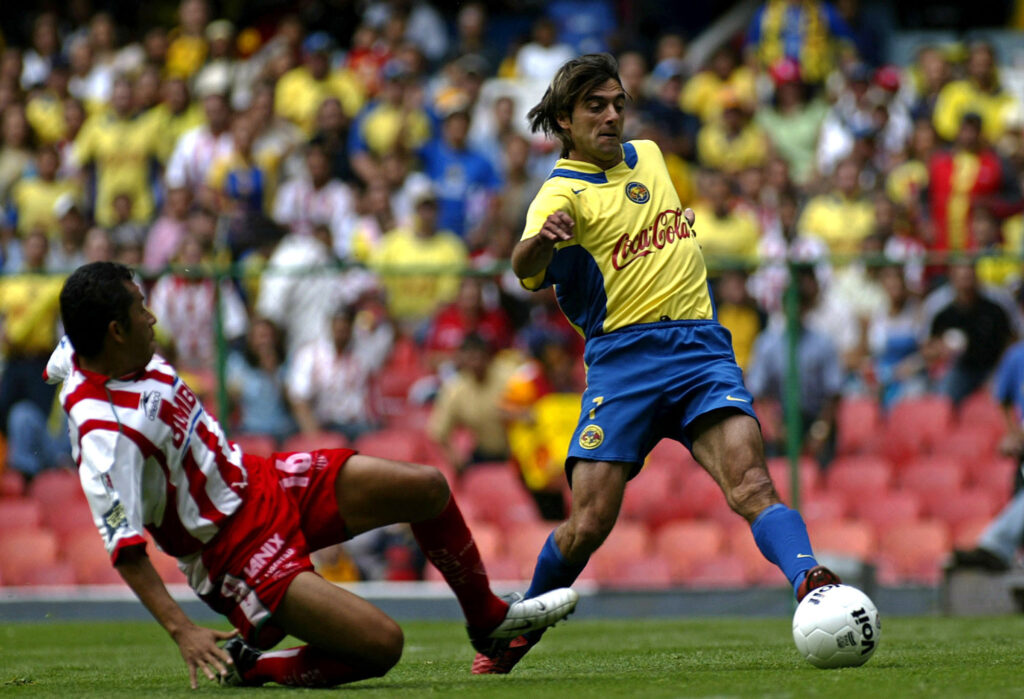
x=198 y=645
x=532 y=256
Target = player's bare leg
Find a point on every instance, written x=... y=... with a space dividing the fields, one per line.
x=728 y=445
x=349 y=639
x=374 y=492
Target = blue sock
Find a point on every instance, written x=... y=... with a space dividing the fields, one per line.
x=552 y=570
x=781 y=535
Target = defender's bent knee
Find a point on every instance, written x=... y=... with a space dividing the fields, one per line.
x=388 y=648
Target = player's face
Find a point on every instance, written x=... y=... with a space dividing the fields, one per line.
x=596 y=125
x=140 y=338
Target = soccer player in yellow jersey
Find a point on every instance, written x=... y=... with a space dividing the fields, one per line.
x=609 y=232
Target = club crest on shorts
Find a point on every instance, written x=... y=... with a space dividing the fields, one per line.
x=638 y=193
x=591 y=437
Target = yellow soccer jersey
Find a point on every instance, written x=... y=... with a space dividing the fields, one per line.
x=633 y=259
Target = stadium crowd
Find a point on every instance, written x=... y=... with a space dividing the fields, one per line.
x=339 y=207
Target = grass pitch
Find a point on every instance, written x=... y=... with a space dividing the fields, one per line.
x=925 y=657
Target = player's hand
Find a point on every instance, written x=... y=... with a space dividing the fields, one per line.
x=199 y=649
x=557 y=228
x=690 y=217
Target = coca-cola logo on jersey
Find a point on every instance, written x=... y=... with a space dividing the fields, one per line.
x=668 y=227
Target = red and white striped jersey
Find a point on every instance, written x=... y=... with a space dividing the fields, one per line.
x=149 y=455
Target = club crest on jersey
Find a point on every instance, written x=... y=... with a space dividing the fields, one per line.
x=591 y=437
x=638 y=193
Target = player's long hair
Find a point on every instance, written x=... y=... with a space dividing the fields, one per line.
x=93 y=296
x=573 y=81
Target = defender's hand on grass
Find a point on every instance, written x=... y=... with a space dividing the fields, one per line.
x=199 y=649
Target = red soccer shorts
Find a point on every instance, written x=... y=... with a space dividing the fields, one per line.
x=290 y=509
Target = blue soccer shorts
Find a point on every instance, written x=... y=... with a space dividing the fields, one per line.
x=651 y=381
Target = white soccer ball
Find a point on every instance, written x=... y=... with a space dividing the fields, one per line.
x=836 y=626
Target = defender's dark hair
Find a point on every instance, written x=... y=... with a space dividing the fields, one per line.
x=573 y=81
x=93 y=296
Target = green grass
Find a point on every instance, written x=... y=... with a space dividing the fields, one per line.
x=925 y=657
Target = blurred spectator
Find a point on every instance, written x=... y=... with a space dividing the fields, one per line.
x=541 y=405
x=66 y=250
x=74 y=120
x=820 y=376
x=958 y=178
x=332 y=134
x=315 y=198
x=39 y=57
x=278 y=139
x=256 y=383
x=372 y=217
x=90 y=82
x=871 y=25
x=413 y=20
x=471 y=37
x=168 y=231
x=301 y=90
x=198 y=148
x=680 y=128
x=894 y=339
x=396 y=118
x=728 y=235
x=187 y=49
x=33 y=199
x=907 y=180
x=588 y=26
x=978 y=93
x=29 y=310
x=738 y=313
x=968 y=336
x=419 y=266
x=733 y=142
x=45 y=108
x=842 y=218
x=174 y=116
x=520 y=183
x=16 y=148
x=928 y=77
x=328 y=383
x=218 y=72
x=467 y=316
x=792 y=122
x=470 y=400
x=98 y=246
x=186 y=305
x=121 y=148
x=724 y=79
x=464 y=180
x=811 y=32
x=1000 y=263
x=539 y=59
x=242 y=183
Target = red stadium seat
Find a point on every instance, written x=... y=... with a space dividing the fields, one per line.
x=166 y=565
x=823 y=506
x=628 y=542
x=24 y=550
x=257 y=444
x=56 y=487
x=85 y=552
x=60 y=573
x=496 y=493
x=967 y=442
x=12 y=483
x=857 y=423
x=885 y=510
x=524 y=543
x=915 y=551
x=740 y=543
x=312 y=442
x=669 y=455
x=489 y=539
x=73 y=517
x=847 y=538
x=779 y=469
x=394 y=444
x=965 y=534
x=858 y=474
x=649 y=497
x=697 y=495
x=913 y=425
x=931 y=473
x=649 y=572
x=20 y=513
x=961 y=506
x=995 y=476
x=980 y=408
x=500 y=568
x=681 y=544
x=724 y=570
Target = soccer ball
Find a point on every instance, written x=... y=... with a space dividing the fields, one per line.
x=836 y=626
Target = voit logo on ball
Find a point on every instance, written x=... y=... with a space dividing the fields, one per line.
x=591 y=437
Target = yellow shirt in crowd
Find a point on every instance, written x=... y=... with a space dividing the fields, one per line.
x=727 y=240
x=416 y=296
x=840 y=222
x=997 y=110
x=34 y=199
x=30 y=306
x=716 y=150
x=298 y=95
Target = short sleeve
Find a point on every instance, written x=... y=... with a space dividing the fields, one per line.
x=549 y=199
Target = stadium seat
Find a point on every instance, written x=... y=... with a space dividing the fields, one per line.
x=740 y=542
x=857 y=423
x=523 y=543
x=965 y=534
x=967 y=442
x=85 y=552
x=995 y=476
x=23 y=550
x=915 y=551
x=71 y=518
x=849 y=538
x=980 y=408
x=913 y=425
x=495 y=491
x=648 y=497
x=823 y=506
x=394 y=444
x=649 y=572
x=779 y=470
x=488 y=538
x=858 y=473
x=931 y=474
x=696 y=496
x=669 y=455
x=964 y=505
x=312 y=442
x=166 y=566
x=681 y=543
x=56 y=487
x=59 y=573
x=20 y=513
x=12 y=483
x=884 y=510
x=724 y=570
x=500 y=568
x=627 y=543
x=257 y=444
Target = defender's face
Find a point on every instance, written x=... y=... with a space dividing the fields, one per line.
x=596 y=125
x=141 y=340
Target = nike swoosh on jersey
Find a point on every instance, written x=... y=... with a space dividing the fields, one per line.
x=577 y=191
x=738 y=400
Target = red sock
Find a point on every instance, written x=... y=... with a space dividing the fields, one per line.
x=304 y=666
x=448 y=544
